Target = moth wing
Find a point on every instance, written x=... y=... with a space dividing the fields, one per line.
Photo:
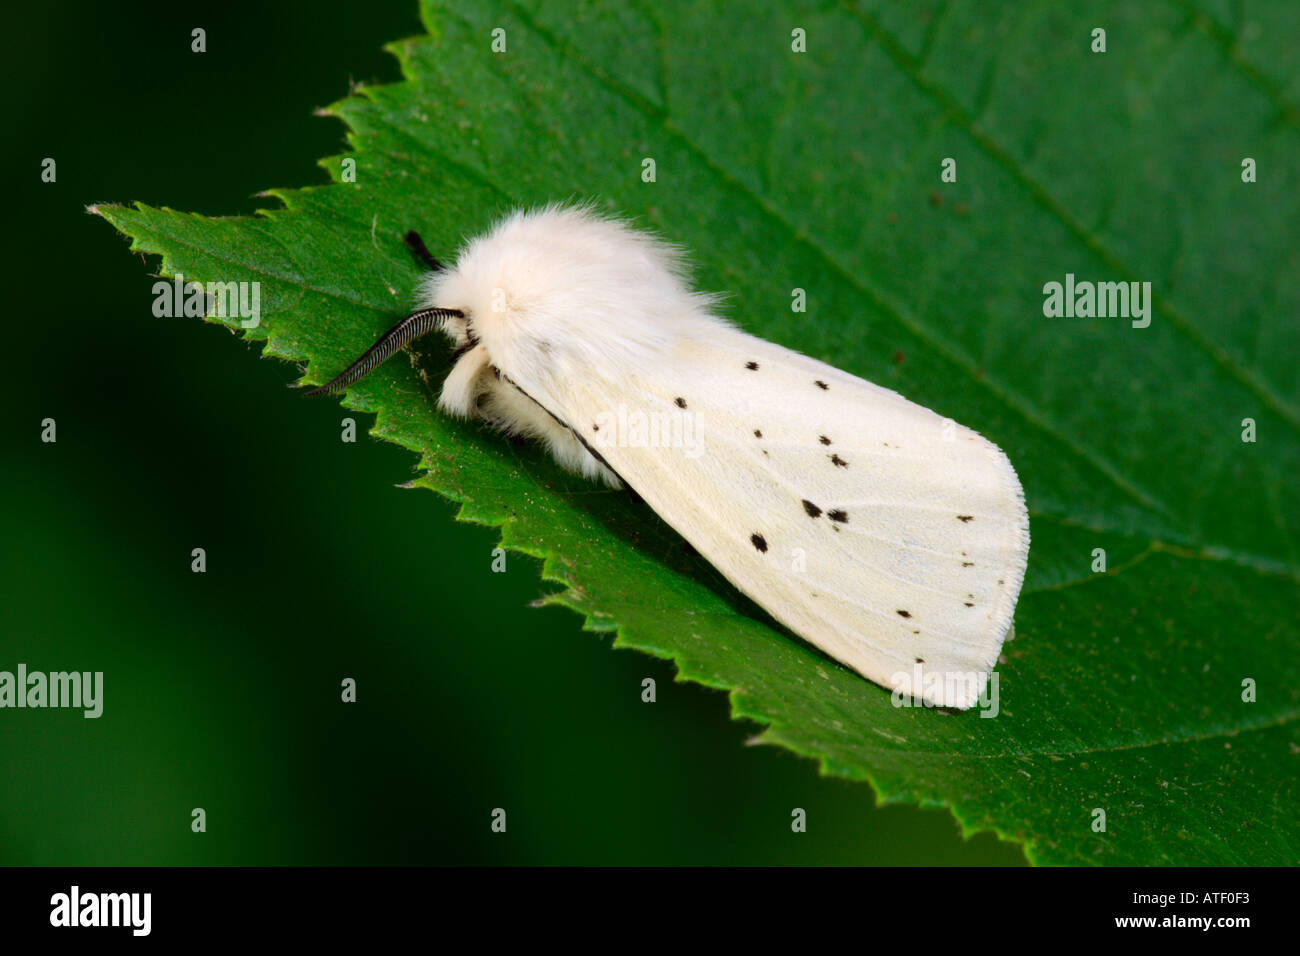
x=891 y=538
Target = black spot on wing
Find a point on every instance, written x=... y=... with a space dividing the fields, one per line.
x=759 y=542
x=822 y=385
x=752 y=366
x=812 y=510
x=967 y=519
x=920 y=660
x=904 y=613
x=681 y=402
x=837 y=515
x=968 y=564
x=824 y=440
x=838 y=462
x=757 y=433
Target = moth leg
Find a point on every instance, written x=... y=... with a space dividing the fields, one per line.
x=466 y=382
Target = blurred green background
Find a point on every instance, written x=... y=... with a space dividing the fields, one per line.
x=222 y=689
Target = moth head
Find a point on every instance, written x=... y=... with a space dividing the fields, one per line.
x=548 y=293
x=551 y=290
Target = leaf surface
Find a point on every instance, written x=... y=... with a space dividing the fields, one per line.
x=1123 y=690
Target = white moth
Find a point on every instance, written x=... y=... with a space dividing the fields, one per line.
x=891 y=538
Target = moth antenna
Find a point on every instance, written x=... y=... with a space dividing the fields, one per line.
x=410 y=328
x=417 y=246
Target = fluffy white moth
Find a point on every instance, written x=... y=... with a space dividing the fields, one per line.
x=888 y=536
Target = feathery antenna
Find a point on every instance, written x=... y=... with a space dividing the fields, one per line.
x=410 y=328
x=417 y=246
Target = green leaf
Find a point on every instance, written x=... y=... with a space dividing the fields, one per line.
x=1123 y=690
